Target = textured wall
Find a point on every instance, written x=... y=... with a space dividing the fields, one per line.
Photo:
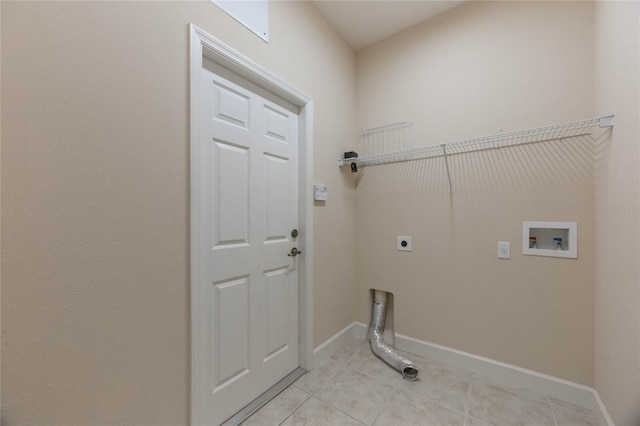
x=482 y=68
x=95 y=199
x=617 y=212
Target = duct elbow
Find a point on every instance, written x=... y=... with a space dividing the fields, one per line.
x=385 y=352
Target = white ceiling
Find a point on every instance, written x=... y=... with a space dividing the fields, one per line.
x=365 y=22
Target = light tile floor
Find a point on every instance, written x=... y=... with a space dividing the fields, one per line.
x=354 y=387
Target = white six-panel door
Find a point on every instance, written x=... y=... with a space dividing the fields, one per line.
x=247 y=174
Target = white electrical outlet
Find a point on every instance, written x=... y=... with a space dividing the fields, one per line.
x=404 y=243
x=504 y=250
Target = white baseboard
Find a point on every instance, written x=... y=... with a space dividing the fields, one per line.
x=602 y=410
x=341 y=338
x=554 y=387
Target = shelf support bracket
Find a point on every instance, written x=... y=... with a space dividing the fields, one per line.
x=606 y=121
x=446 y=164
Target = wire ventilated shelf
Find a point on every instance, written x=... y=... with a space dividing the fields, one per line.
x=384 y=139
x=501 y=140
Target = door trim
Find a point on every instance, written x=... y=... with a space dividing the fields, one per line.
x=203 y=45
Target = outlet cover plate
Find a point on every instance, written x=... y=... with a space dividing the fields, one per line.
x=504 y=250
x=404 y=243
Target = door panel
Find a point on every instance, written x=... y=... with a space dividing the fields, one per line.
x=231 y=341
x=231 y=106
x=248 y=206
x=277 y=124
x=276 y=176
x=277 y=330
x=230 y=188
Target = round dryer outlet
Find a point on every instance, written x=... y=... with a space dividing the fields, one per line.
x=404 y=243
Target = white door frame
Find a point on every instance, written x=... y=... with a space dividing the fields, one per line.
x=204 y=45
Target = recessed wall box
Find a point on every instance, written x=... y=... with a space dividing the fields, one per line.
x=553 y=239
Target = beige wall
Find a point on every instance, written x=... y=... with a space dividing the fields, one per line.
x=95 y=205
x=482 y=68
x=617 y=205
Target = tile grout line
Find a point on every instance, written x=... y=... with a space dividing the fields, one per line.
x=331 y=405
x=468 y=404
x=295 y=409
x=346 y=414
x=346 y=366
x=367 y=373
x=553 y=414
x=337 y=409
x=386 y=398
x=321 y=385
x=377 y=417
x=298 y=387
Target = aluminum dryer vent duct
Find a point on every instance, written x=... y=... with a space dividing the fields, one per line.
x=379 y=347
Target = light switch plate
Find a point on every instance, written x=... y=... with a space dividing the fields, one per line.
x=504 y=250
x=320 y=192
